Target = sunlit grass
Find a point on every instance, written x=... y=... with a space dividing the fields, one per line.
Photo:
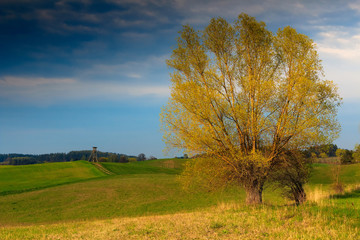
x=114 y=196
x=224 y=221
x=15 y=179
x=148 y=167
x=145 y=201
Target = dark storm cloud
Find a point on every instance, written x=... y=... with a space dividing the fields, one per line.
x=117 y=40
x=41 y=37
x=93 y=17
x=63 y=34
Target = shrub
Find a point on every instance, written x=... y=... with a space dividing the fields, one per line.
x=293 y=171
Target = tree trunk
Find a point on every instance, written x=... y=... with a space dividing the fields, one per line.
x=299 y=195
x=254 y=194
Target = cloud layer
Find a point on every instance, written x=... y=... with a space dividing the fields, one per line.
x=47 y=91
x=123 y=43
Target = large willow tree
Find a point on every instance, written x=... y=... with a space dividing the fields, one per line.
x=244 y=96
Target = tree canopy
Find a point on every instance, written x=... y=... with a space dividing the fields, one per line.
x=244 y=95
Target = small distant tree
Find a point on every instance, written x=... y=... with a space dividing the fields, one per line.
x=152 y=158
x=332 y=150
x=103 y=159
x=328 y=149
x=123 y=159
x=313 y=155
x=347 y=157
x=186 y=156
x=340 y=152
x=323 y=155
x=113 y=158
x=141 y=157
x=356 y=153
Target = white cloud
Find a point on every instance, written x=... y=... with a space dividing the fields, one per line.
x=355 y=5
x=131 y=69
x=45 y=91
x=12 y=81
x=117 y=90
x=134 y=75
x=137 y=35
x=132 y=79
x=339 y=48
x=341 y=43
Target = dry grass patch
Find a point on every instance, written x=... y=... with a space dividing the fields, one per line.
x=226 y=221
x=321 y=194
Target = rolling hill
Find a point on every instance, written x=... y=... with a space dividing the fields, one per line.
x=16 y=179
x=144 y=200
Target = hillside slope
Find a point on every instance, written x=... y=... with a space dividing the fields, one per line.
x=138 y=189
x=16 y=179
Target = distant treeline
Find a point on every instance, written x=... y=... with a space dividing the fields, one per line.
x=345 y=156
x=326 y=150
x=24 y=159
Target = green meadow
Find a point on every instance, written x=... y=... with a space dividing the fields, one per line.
x=138 y=189
x=144 y=200
x=16 y=179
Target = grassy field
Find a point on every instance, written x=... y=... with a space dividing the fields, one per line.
x=16 y=179
x=330 y=220
x=168 y=166
x=138 y=189
x=145 y=201
x=322 y=175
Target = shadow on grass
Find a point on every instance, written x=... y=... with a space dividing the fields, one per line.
x=353 y=194
x=4 y=193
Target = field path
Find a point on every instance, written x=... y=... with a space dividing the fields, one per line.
x=102 y=169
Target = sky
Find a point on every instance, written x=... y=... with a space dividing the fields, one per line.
x=81 y=73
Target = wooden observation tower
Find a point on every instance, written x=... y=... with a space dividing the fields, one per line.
x=93 y=156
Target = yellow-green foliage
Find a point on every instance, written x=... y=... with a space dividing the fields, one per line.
x=243 y=94
x=200 y=174
x=356 y=154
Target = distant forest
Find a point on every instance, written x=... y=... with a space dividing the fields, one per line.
x=318 y=153
x=24 y=159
